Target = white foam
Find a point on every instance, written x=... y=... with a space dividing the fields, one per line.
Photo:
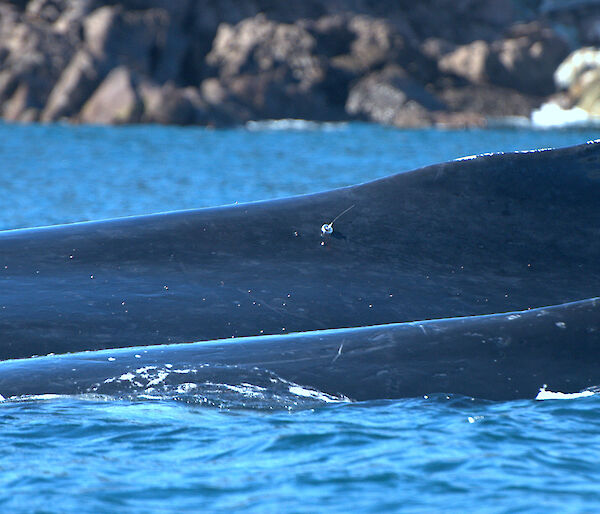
x=544 y=394
x=294 y=124
x=474 y=419
x=551 y=115
x=489 y=154
x=317 y=395
x=186 y=387
x=40 y=397
x=245 y=389
x=160 y=377
x=145 y=369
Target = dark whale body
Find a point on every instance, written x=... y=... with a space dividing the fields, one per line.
x=468 y=238
x=497 y=357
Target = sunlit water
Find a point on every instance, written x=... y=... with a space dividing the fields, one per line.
x=98 y=454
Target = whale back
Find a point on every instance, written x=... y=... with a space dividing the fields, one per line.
x=477 y=236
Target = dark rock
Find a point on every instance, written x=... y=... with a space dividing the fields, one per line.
x=550 y=6
x=70 y=20
x=370 y=43
x=18 y=107
x=332 y=34
x=32 y=57
x=128 y=38
x=459 y=21
x=393 y=98
x=168 y=104
x=221 y=62
x=272 y=68
x=75 y=85
x=527 y=59
x=223 y=109
x=47 y=11
x=257 y=45
x=436 y=48
x=489 y=100
x=9 y=17
x=19 y=5
x=213 y=91
x=374 y=44
x=459 y=120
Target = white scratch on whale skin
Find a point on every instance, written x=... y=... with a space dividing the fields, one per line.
x=339 y=352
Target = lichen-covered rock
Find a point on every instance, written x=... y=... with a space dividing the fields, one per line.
x=18 y=107
x=258 y=44
x=115 y=101
x=271 y=68
x=359 y=44
x=8 y=19
x=32 y=60
x=221 y=62
x=575 y=65
x=579 y=78
x=468 y=61
x=128 y=38
x=489 y=101
x=75 y=85
x=168 y=104
x=393 y=98
x=527 y=58
x=374 y=43
x=47 y=10
x=223 y=108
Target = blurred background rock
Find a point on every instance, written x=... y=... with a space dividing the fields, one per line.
x=222 y=62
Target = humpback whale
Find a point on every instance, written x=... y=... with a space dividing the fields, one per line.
x=477 y=276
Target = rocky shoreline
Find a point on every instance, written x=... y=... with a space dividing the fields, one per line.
x=454 y=63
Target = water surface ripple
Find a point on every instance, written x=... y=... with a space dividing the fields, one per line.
x=95 y=454
x=78 y=454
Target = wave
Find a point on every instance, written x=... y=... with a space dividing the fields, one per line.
x=551 y=115
x=291 y=124
x=473 y=249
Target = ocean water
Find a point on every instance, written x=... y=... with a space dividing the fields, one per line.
x=232 y=451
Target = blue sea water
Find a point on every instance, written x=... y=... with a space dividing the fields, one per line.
x=99 y=454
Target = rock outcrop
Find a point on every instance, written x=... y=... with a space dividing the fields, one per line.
x=392 y=97
x=217 y=63
x=578 y=99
